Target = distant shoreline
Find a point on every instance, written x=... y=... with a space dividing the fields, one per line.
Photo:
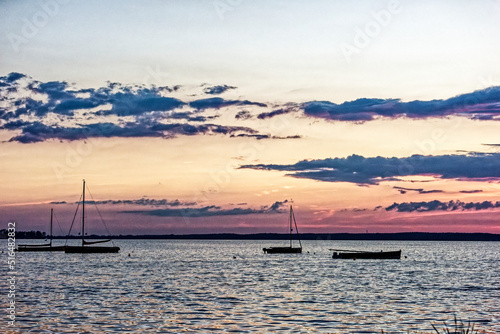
x=404 y=236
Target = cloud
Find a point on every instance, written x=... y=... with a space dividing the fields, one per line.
x=40 y=111
x=218 y=102
x=190 y=116
x=62 y=99
x=441 y=206
x=188 y=129
x=419 y=190
x=11 y=77
x=169 y=89
x=482 y=105
x=211 y=211
x=38 y=132
x=361 y=170
x=471 y=191
x=39 y=114
x=244 y=114
x=273 y=113
x=145 y=100
x=56 y=90
x=260 y=136
x=142 y=202
x=215 y=90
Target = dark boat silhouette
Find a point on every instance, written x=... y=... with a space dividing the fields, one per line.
x=287 y=249
x=42 y=247
x=353 y=254
x=85 y=248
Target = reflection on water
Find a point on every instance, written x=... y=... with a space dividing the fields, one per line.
x=175 y=286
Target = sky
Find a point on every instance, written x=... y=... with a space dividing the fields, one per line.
x=216 y=116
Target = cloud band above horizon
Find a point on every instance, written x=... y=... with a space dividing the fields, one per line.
x=361 y=170
x=36 y=111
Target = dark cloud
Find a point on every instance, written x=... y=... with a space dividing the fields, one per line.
x=273 y=113
x=419 y=190
x=56 y=90
x=482 y=105
x=67 y=106
x=15 y=125
x=14 y=76
x=141 y=202
x=215 y=90
x=218 y=102
x=190 y=116
x=64 y=100
x=287 y=137
x=260 y=136
x=471 y=191
x=146 y=100
x=169 y=89
x=153 y=115
x=361 y=170
x=38 y=132
x=431 y=191
x=257 y=136
x=210 y=211
x=276 y=206
x=188 y=129
x=38 y=108
x=244 y=114
x=441 y=206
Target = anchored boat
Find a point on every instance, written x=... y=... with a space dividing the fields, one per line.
x=287 y=249
x=353 y=254
x=42 y=247
x=85 y=248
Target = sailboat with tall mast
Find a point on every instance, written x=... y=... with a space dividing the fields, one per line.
x=42 y=247
x=287 y=249
x=85 y=247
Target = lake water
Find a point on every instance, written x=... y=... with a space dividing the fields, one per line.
x=207 y=286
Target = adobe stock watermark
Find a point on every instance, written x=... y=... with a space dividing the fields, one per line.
x=75 y=154
x=155 y=76
x=31 y=26
x=11 y=274
x=223 y=6
x=372 y=29
x=439 y=136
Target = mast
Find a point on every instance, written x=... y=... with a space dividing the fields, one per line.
x=291 y=228
x=297 y=230
x=83 y=212
x=51 y=214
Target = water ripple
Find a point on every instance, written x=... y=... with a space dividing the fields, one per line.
x=187 y=286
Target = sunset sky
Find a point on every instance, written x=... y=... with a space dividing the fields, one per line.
x=215 y=116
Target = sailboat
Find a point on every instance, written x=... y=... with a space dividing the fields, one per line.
x=85 y=248
x=287 y=249
x=42 y=247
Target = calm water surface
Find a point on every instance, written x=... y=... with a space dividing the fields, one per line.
x=206 y=286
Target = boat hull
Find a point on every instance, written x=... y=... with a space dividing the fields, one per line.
x=282 y=250
x=367 y=255
x=91 y=249
x=40 y=248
